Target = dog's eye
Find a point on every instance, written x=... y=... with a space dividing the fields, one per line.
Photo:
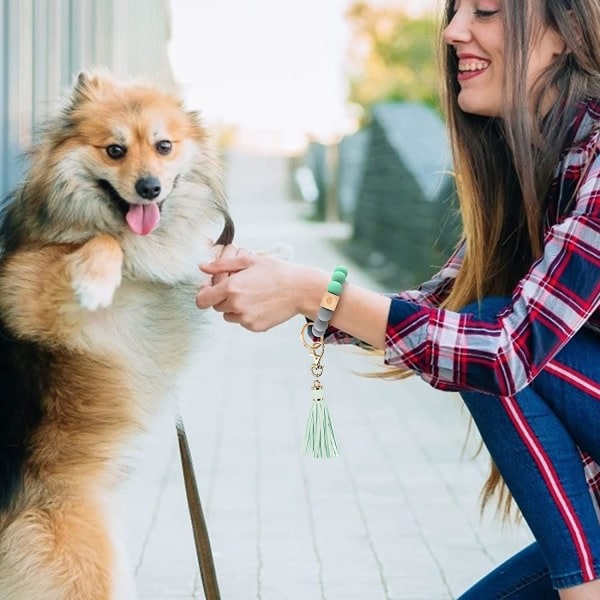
x=164 y=147
x=116 y=151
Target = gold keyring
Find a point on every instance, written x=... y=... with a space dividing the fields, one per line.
x=311 y=345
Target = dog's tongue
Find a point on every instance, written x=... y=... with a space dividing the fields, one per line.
x=143 y=218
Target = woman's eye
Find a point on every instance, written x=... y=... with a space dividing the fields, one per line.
x=485 y=14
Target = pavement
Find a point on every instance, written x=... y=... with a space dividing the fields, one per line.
x=394 y=517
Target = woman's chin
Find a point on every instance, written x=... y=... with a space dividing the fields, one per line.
x=474 y=106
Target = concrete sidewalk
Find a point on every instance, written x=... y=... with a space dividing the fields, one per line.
x=394 y=517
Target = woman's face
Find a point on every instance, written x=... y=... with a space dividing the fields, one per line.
x=476 y=33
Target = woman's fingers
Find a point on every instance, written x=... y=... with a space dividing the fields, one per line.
x=248 y=289
x=232 y=317
x=224 y=252
x=211 y=295
x=231 y=260
x=219 y=293
x=228 y=264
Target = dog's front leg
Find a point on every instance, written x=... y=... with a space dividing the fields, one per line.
x=95 y=272
x=49 y=292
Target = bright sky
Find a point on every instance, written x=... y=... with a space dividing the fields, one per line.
x=272 y=67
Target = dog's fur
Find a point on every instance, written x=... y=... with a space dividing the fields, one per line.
x=97 y=320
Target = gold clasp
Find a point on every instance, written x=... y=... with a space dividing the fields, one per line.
x=316 y=348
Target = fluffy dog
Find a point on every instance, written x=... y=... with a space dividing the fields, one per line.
x=100 y=248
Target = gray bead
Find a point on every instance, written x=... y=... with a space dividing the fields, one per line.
x=318 y=330
x=320 y=324
x=324 y=314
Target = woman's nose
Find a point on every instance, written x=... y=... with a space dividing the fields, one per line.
x=459 y=28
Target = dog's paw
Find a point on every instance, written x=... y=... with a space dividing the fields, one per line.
x=98 y=292
x=95 y=272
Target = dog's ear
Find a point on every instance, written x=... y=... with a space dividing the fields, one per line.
x=88 y=84
x=84 y=80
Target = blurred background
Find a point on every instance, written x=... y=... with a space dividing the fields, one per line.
x=345 y=90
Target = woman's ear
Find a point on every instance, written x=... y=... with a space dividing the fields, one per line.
x=557 y=42
x=575 y=33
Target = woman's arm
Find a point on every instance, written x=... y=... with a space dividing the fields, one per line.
x=431 y=293
x=553 y=301
x=262 y=292
x=449 y=350
x=272 y=291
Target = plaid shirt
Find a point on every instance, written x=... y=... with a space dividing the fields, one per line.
x=559 y=295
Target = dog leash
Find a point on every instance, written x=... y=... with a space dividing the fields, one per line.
x=201 y=539
x=206 y=562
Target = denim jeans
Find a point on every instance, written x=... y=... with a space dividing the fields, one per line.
x=535 y=438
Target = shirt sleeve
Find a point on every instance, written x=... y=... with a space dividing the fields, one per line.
x=456 y=351
x=430 y=293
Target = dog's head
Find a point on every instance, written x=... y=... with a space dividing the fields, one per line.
x=125 y=159
x=133 y=142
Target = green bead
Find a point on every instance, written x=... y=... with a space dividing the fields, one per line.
x=339 y=276
x=334 y=287
x=343 y=269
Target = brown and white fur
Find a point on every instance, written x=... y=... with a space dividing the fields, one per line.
x=100 y=247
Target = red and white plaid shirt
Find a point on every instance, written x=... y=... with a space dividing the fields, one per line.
x=559 y=295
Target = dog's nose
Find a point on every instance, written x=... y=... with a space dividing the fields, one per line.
x=148 y=187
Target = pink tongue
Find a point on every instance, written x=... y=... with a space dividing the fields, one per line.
x=143 y=218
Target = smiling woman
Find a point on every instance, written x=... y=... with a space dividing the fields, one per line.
x=512 y=320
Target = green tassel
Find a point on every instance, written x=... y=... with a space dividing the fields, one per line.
x=319 y=439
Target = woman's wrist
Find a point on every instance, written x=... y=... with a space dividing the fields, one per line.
x=361 y=313
x=311 y=284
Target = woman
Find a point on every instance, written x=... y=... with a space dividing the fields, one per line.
x=512 y=321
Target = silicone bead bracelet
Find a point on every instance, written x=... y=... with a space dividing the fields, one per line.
x=329 y=301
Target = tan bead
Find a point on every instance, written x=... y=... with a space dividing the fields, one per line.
x=329 y=301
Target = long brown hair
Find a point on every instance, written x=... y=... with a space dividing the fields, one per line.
x=504 y=166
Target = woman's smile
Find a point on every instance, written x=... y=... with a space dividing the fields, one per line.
x=471 y=66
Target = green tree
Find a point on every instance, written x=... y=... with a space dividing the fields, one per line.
x=392 y=57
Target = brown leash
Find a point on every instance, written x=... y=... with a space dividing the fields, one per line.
x=201 y=539
x=204 y=553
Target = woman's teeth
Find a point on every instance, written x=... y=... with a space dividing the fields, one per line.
x=472 y=65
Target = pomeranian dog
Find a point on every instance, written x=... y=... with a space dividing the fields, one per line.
x=100 y=247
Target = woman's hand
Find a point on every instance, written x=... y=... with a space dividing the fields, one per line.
x=229 y=251
x=260 y=292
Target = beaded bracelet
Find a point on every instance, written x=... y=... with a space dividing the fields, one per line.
x=329 y=302
x=319 y=438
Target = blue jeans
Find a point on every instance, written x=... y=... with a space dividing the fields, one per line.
x=535 y=438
